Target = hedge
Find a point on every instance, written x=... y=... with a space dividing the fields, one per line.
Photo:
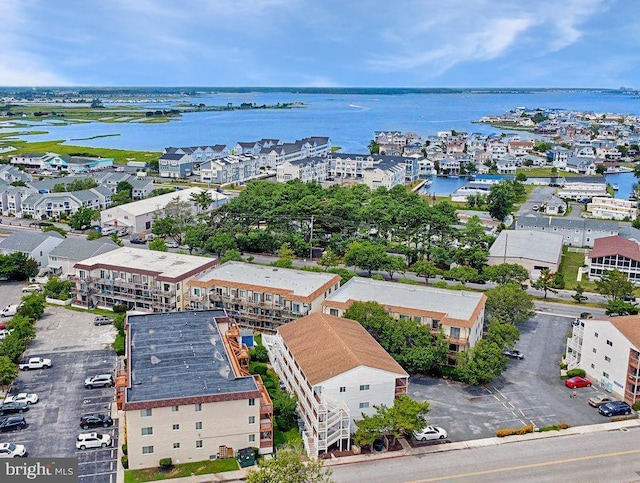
x=501 y=433
x=576 y=372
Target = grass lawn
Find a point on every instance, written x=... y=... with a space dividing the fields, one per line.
x=289 y=438
x=569 y=265
x=544 y=173
x=182 y=470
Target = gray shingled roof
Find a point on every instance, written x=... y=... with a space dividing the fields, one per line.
x=27 y=241
x=80 y=249
x=535 y=220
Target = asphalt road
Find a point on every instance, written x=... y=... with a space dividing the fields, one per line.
x=612 y=457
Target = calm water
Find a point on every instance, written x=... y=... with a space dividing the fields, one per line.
x=348 y=119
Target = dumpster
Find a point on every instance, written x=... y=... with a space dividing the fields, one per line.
x=246 y=457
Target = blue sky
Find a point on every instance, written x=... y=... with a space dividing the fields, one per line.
x=325 y=43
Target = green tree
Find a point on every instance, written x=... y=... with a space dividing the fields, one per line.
x=329 y=259
x=32 y=306
x=285 y=256
x=545 y=282
x=221 y=243
x=500 y=200
x=503 y=335
x=158 y=245
x=374 y=147
x=579 y=296
x=463 y=274
x=57 y=289
x=365 y=255
x=8 y=371
x=620 y=307
x=427 y=269
x=18 y=266
x=482 y=363
x=506 y=273
x=203 y=200
x=94 y=235
x=600 y=169
x=510 y=304
x=289 y=467
x=23 y=328
x=83 y=218
x=284 y=410
x=542 y=146
x=521 y=177
x=57 y=229
x=115 y=239
x=614 y=284
x=393 y=264
x=173 y=220
x=232 y=255
x=636 y=170
x=81 y=184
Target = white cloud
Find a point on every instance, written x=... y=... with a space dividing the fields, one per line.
x=18 y=65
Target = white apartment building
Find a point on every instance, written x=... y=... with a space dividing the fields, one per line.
x=583 y=189
x=187 y=393
x=385 y=174
x=609 y=351
x=614 y=253
x=143 y=280
x=613 y=208
x=338 y=372
x=306 y=170
x=458 y=314
x=261 y=297
x=138 y=216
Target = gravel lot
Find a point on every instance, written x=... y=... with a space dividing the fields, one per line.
x=530 y=390
x=77 y=349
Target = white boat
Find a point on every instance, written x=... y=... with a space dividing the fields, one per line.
x=615 y=187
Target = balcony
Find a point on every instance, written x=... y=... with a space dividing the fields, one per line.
x=634 y=362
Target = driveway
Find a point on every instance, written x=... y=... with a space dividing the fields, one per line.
x=530 y=390
x=10 y=292
x=538 y=196
x=77 y=350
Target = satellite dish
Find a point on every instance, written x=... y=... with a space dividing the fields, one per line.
x=508 y=221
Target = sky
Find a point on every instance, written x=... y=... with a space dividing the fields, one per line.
x=321 y=43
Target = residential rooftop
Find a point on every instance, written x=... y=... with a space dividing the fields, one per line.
x=300 y=283
x=77 y=248
x=528 y=244
x=453 y=304
x=615 y=245
x=180 y=355
x=26 y=241
x=164 y=265
x=155 y=203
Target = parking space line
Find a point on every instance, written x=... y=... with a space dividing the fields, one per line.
x=96 y=474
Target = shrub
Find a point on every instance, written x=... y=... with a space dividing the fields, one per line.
x=124 y=449
x=564 y=426
x=576 y=372
x=120 y=308
x=166 y=463
x=636 y=406
x=125 y=461
x=259 y=354
x=526 y=429
x=501 y=433
x=118 y=345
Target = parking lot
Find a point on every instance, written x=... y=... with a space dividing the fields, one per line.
x=77 y=350
x=530 y=390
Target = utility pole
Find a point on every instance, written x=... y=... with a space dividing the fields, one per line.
x=311 y=241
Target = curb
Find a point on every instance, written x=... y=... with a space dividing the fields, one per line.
x=478 y=443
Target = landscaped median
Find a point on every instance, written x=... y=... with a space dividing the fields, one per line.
x=181 y=470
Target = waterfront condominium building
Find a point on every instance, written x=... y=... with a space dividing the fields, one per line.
x=186 y=392
x=140 y=279
x=609 y=351
x=614 y=253
x=261 y=297
x=458 y=314
x=338 y=372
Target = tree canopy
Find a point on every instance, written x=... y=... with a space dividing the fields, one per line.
x=614 y=284
x=509 y=303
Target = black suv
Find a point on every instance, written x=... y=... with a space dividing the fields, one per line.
x=94 y=420
x=11 y=423
x=13 y=407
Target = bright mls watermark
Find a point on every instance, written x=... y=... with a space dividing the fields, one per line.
x=51 y=470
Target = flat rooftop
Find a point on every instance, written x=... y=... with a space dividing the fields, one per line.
x=178 y=355
x=299 y=282
x=164 y=264
x=456 y=304
x=528 y=244
x=155 y=203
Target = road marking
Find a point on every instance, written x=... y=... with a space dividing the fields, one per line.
x=556 y=315
x=524 y=467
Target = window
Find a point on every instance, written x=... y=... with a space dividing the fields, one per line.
x=607 y=358
x=252 y=438
x=595 y=335
x=343 y=389
x=252 y=419
x=364 y=387
x=176 y=445
x=252 y=402
x=176 y=427
x=175 y=408
x=147 y=449
x=145 y=412
x=198 y=407
x=146 y=431
x=363 y=405
x=199 y=443
x=609 y=343
x=593 y=366
x=198 y=424
x=594 y=350
x=333 y=312
x=605 y=374
x=454 y=332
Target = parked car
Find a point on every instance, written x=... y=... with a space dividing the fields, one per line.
x=11 y=423
x=34 y=287
x=34 y=363
x=94 y=420
x=102 y=320
x=614 y=408
x=101 y=380
x=513 y=354
x=171 y=244
x=93 y=440
x=577 y=381
x=138 y=241
x=628 y=298
x=27 y=398
x=430 y=433
x=9 y=310
x=12 y=450
x=586 y=315
x=600 y=399
x=13 y=407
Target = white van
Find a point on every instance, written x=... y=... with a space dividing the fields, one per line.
x=108 y=230
x=9 y=310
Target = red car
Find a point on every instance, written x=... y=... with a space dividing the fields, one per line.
x=577 y=382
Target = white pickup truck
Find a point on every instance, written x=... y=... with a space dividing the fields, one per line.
x=34 y=363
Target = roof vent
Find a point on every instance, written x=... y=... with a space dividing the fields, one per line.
x=275 y=269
